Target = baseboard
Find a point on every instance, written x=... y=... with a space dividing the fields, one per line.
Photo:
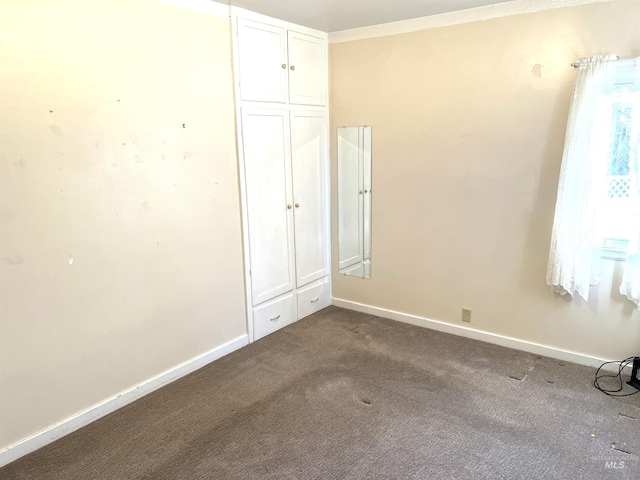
x=71 y=424
x=467 y=332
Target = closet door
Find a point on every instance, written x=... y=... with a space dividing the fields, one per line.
x=262 y=52
x=307 y=69
x=267 y=160
x=309 y=160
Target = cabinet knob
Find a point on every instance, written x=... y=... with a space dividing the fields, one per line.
x=284 y=65
x=292 y=67
x=289 y=207
x=297 y=205
x=366 y=191
x=360 y=192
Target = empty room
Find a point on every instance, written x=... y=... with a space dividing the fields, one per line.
x=319 y=239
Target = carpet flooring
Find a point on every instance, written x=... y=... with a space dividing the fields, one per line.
x=344 y=395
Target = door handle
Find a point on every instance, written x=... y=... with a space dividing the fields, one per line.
x=315 y=299
x=275 y=319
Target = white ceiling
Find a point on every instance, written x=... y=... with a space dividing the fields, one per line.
x=336 y=15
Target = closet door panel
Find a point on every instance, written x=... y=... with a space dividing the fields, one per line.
x=310 y=183
x=268 y=186
x=262 y=51
x=307 y=69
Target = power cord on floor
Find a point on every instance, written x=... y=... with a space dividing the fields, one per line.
x=614 y=393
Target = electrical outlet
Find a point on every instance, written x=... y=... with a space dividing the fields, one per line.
x=466 y=315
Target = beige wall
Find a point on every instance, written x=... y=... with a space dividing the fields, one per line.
x=468 y=130
x=96 y=166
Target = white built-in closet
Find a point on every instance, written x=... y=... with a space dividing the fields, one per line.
x=281 y=98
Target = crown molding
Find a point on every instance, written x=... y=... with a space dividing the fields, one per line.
x=488 y=12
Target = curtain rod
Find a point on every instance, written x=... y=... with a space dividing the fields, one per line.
x=577 y=64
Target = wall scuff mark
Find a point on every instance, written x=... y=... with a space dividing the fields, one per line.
x=536 y=71
x=56 y=130
x=13 y=259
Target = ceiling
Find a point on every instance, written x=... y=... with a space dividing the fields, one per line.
x=336 y=15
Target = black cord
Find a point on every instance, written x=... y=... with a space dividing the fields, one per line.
x=613 y=393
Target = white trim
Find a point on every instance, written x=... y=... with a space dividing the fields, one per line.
x=494 y=338
x=71 y=424
x=246 y=258
x=487 y=12
x=208 y=7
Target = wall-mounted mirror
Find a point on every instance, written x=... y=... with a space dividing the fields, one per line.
x=354 y=201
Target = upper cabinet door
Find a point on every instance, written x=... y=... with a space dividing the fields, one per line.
x=262 y=52
x=310 y=185
x=307 y=69
x=267 y=161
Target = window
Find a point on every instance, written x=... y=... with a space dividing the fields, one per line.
x=617 y=210
x=598 y=202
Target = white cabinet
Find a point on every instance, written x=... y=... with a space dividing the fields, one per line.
x=310 y=185
x=274 y=315
x=279 y=65
x=263 y=69
x=285 y=164
x=307 y=69
x=314 y=297
x=269 y=198
x=281 y=98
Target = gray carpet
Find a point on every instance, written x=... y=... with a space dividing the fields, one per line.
x=344 y=395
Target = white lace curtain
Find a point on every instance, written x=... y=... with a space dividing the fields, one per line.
x=574 y=255
x=631 y=279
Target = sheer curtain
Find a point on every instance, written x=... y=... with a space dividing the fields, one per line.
x=631 y=279
x=574 y=253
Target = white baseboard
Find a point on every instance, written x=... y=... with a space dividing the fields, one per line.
x=71 y=424
x=467 y=332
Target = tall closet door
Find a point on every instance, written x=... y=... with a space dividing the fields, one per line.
x=262 y=52
x=307 y=69
x=309 y=160
x=267 y=163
